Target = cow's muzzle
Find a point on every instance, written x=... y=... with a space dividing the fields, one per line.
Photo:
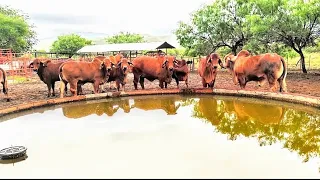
x=170 y=68
x=124 y=69
x=108 y=69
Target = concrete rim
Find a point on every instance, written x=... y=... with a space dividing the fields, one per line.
x=286 y=97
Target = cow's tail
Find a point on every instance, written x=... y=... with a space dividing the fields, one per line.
x=5 y=82
x=62 y=82
x=282 y=79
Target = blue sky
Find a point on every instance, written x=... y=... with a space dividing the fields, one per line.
x=98 y=18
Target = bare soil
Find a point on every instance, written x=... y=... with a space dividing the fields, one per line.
x=35 y=89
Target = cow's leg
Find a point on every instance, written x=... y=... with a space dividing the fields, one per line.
x=212 y=84
x=177 y=81
x=282 y=84
x=204 y=84
x=161 y=84
x=49 y=89
x=123 y=86
x=52 y=85
x=186 y=82
x=141 y=82
x=96 y=87
x=73 y=88
x=165 y=85
x=242 y=81
x=272 y=82
x=135 y=81
x=118 y=85
x=79 y=89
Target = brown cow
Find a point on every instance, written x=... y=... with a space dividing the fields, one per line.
x=119 y=73
x=153 y=68
x=208 y=69
x=48 y=73
x=4 y=82
x=95 y=72
x=181 y=71
x=269 y=67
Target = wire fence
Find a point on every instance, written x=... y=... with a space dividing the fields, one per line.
x=17 y=68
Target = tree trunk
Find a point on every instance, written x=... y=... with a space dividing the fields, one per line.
x=234 y=50
x=302 y=61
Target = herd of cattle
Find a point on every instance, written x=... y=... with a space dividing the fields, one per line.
x=244 y=67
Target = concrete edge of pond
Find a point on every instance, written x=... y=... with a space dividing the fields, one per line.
x=287 y=97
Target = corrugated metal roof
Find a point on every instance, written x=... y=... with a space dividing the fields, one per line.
x=120 y=47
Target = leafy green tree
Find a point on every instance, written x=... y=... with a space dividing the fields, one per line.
x=295 y=23
x=125 y=37
x=69 y=44
x=15 y=32
x=221 y=24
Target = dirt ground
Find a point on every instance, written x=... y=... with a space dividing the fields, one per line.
x=35 y=90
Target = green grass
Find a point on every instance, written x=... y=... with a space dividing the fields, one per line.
x=18 y=79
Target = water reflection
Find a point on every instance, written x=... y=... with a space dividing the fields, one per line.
x=169 y=105
x=109 y=108
x=191 y=142
x=269 y=123
x=155 y=103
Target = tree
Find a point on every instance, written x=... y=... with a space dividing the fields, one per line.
x=69 y=44
x=294 y=23
x=125 y=37
x=15 y=32
x=221 y=24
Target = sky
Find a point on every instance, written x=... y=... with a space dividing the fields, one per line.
x=100 y=18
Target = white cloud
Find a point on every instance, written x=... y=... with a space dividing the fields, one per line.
x=55 y=17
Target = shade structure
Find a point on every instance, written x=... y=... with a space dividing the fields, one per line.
x=124 y=47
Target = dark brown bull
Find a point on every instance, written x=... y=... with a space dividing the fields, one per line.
x=153 y=68
x=181 y=71
x=48 y=72
x=269 y=67
x=119 y=73
x=80 y=72
x=208 y=68
x=4 y=82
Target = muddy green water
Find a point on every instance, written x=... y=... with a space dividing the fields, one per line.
x=165 y=137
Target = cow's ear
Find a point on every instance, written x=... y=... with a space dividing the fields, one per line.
x=164 y=63
x=30 y=65
x=220 y=63
x=45 y=64
x=101 y=65
x=130 y=63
